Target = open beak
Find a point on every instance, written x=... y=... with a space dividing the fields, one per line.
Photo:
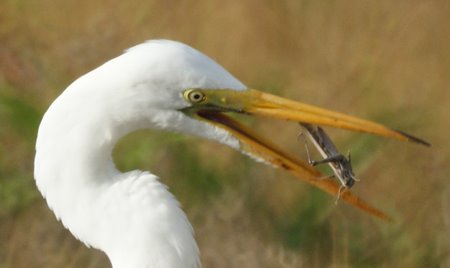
x=211 y=104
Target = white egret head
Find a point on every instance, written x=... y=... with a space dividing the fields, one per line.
x=163 y=85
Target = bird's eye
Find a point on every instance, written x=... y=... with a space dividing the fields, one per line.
x=195 y=96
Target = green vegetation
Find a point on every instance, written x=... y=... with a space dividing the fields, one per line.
x=383 y=60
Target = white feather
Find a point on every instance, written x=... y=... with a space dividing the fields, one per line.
x=130 y=216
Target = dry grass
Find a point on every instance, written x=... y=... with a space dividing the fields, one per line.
x=384 y=60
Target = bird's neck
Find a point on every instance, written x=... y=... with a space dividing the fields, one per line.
x=130 y=216
x=74 y=167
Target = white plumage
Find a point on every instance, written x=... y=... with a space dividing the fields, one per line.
x=161 y=85
x=130 y=216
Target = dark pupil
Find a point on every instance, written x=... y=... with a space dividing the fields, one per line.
x=196 y=96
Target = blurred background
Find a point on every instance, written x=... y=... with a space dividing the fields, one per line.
x=387 y=61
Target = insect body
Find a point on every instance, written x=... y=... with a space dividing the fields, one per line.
x=341 y=166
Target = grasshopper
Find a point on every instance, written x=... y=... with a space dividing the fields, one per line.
x=341 y=166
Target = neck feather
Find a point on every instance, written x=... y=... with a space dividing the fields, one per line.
x=130 y=216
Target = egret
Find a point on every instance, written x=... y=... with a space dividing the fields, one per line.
x=164 y=85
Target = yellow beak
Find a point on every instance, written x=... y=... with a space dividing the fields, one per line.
x=211 y=104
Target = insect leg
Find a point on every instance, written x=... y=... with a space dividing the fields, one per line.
x=310 y=161
x=332 y=159
x=342 y=189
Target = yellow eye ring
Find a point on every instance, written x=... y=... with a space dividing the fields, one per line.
x=195 y=96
